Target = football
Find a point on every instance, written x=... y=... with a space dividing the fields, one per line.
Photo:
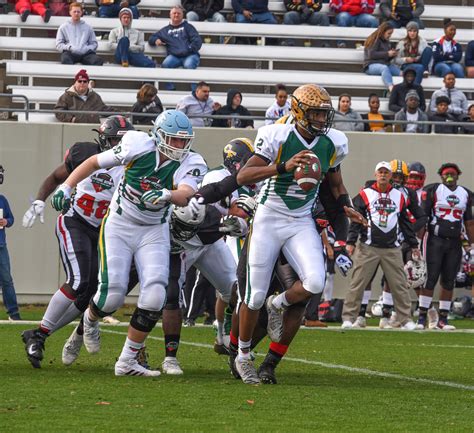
x=309 y=175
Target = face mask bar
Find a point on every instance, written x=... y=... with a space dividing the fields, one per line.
x=173 y=153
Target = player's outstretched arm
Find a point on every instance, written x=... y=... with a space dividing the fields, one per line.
x=181 y=196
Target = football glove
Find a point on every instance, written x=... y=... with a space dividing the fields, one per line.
x=195 y=204
x=36 y=210
x=247 y=204
x=342 y=258
x=233 y=225
x=155 y=196
x=61 y=198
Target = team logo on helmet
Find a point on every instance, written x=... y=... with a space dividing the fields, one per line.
x=102 y=181
x=452 y=200
x=229 y=152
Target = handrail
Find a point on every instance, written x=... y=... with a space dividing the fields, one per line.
x=27 y=103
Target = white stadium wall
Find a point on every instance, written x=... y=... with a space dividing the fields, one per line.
x=29 y=152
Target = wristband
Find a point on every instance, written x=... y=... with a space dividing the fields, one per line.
x=281 y=169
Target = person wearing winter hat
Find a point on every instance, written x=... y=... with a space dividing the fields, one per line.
x=80 y=97
x=112 y=8
x=399 y=92
x=412 y=113
x=129 y=43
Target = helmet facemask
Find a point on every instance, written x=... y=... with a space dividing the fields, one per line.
x=307 y=117
x=164 y=144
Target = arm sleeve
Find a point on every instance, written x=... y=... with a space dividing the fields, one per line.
x=421 y=94
x=92 y=41
x=393 y=101
x=7 y=213
x=153 y=38
x=336 y=216
x=407 y=227
x=61 y=41
x=63 y=116
x=264 y=144
x=195 y=41
x=457 y=56
x=191 y=171
x=419 y=8
x=427 y=198
x=355 y=228
x=359 y=125
x=113 y=40
x=214 y=192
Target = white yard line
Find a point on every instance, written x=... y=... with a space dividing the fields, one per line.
x=365 y=371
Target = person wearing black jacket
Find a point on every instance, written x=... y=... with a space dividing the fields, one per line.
x=399 y=92
x=386 y=210
x=441 y=115
x=204 y=10
x=233 y=109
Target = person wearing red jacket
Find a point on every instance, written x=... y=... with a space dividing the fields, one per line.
x=38 y=7
x=356 y=13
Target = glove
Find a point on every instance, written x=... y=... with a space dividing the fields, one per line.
x=36 y=209
x=155 y=196
x=195 y=204
x=341 y=258
x=61 y=197
x=233 y=225
x=247 y=204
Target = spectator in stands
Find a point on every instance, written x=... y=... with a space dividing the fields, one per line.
x=350 y=118
x=79 y=97
x=373 y=114
x=59 y=8
x=112 y=8
x=38 y=7
x=253 y=11
x=204 y=10
x=400 y=12
x=468 y=128
x=358 y=13
x=147 y=103
x=447 y=53
x=128 y=43
x=199 y=103
x=378 y=55
x=412 y=113
x=182 y=43
x=304 y=11
x=414 y=53
x=233 y=109
x=76 y=40
x=458 y=105
x=280 y=107
x=399 y=92
x=441 y=115
x=469 y=60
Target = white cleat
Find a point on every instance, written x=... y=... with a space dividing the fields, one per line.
x=133 y=368
x=275 y=320
x=410 y=325
x=171 y=366
x=72 y=348
x=347 y=324
x=384 y=323
x=111 y=320
x=360 y=322
x=248 y=372
x=433 y=318
x=92 y=336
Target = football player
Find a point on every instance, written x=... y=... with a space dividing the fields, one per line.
x=416 y=178
x=77 y=230
x=449 y=208
x=160 y=171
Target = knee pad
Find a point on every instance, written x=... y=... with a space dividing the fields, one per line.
x=96 y=311
x=314 y=283
x=144 y=320
x=256 y=301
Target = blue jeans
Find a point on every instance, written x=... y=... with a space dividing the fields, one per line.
x=345 y=19
x=6 y=283
x=112 y=11
x=173 y=62
x=260 y=18
x=386 y=71
x=315 y=19
x=216 y=18
x=401 y=23
x=123 y=54
x=421 y=66
x=442 y=68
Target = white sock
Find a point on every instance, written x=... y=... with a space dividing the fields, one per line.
x=130 y=349
x=387 y=298
x=280 y=301
x=445 y=305
x=71 y=313
x=220 y=332
x=425 y=301
x=328 y=288
x=244 y=349
x=57 y=306
x=366 y=296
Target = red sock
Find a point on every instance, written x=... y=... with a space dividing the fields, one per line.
x=278 y=349
x=234 y=340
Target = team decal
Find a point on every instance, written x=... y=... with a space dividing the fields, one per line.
x=384 y=206
x=149 y=183
x=452 y=200
x=102 y=181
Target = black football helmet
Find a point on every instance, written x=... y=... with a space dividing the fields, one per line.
x=416 y=175
x=111 y=131
x=236 y=153
x=2 y=174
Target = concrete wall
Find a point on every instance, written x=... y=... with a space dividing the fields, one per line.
x=29 y=152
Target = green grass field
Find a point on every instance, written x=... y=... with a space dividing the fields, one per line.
x=331 y=381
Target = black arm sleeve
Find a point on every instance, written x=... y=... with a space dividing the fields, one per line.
x=355 y=228
x=215 y=192
x=427 y=197
x=407 y=228
x=416 y=210
x=336 y=216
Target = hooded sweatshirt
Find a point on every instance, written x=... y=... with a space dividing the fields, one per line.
x=181 y=41
x=399 y=92
x=78 y=38
x=348 y=126
x=136 y=38
x=227 y=109
x=192 y=106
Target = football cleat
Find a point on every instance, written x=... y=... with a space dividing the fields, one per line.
x=220 y=348
x=111 y=320
x=433 y=318
x=171 y=366
x=231 y=362
x=409 y=326
x=444 y=325
x=360 y=322
x=92 y=336
x=266 y=373
x=275 y=320
x=247 y=371
x=133 y=368
x=34 y=346
x=72 y=348
x=188 y=323
x=384 y=323
x=347 y=324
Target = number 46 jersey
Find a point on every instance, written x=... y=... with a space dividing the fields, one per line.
x=93 y=194
x=280 y=142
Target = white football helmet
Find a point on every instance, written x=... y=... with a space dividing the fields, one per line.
x=415 y=270
x=186 y=220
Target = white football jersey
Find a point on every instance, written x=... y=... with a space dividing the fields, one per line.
x=278 y=143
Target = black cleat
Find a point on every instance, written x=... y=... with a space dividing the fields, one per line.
x=231 y=362
x=34 y=346
x=266 y=373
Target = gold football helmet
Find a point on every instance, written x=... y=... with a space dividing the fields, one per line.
x=399 y=166
x=307 y=103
